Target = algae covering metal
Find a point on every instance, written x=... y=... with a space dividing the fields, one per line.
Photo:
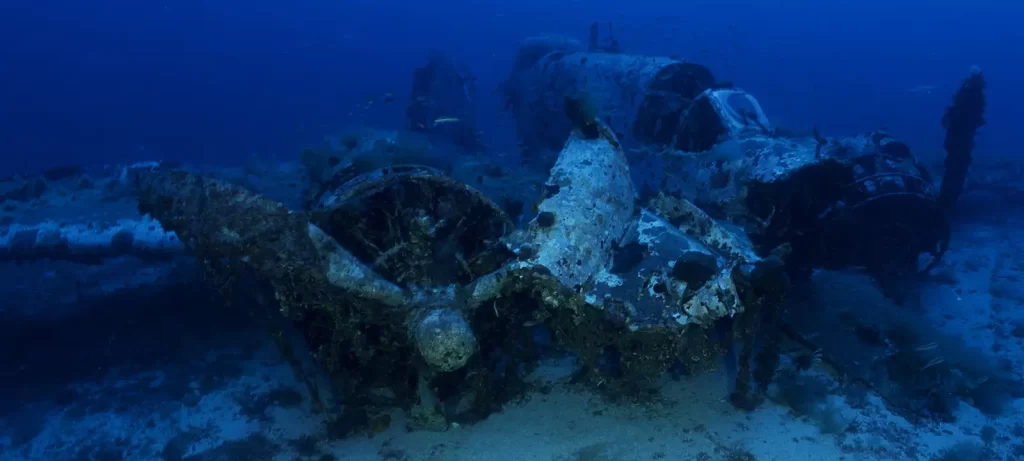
x=412 y=282
x=409 y=284
x=413 y=289
x=862 y=201
x=588 y=207
x=646 y=101
x=416 y=226
x=642 y=99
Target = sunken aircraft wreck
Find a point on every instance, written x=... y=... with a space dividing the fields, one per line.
x=412 y=288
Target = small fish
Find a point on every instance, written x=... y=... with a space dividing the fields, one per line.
x=923 y=89
x=932 y=363
x=446 y=120
x=388 y=97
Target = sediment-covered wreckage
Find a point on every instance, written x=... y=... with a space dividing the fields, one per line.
x=413 y=289
x=838 y=202
x=862 y=203
x=402 y=279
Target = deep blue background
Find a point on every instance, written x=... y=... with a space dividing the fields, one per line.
x=216 y=81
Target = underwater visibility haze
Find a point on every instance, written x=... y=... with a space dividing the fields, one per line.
x=536 y=230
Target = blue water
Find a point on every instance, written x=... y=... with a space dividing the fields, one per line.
x=135 y=326
x=216 y=82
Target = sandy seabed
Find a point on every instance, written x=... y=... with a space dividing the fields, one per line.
x=235 y=399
